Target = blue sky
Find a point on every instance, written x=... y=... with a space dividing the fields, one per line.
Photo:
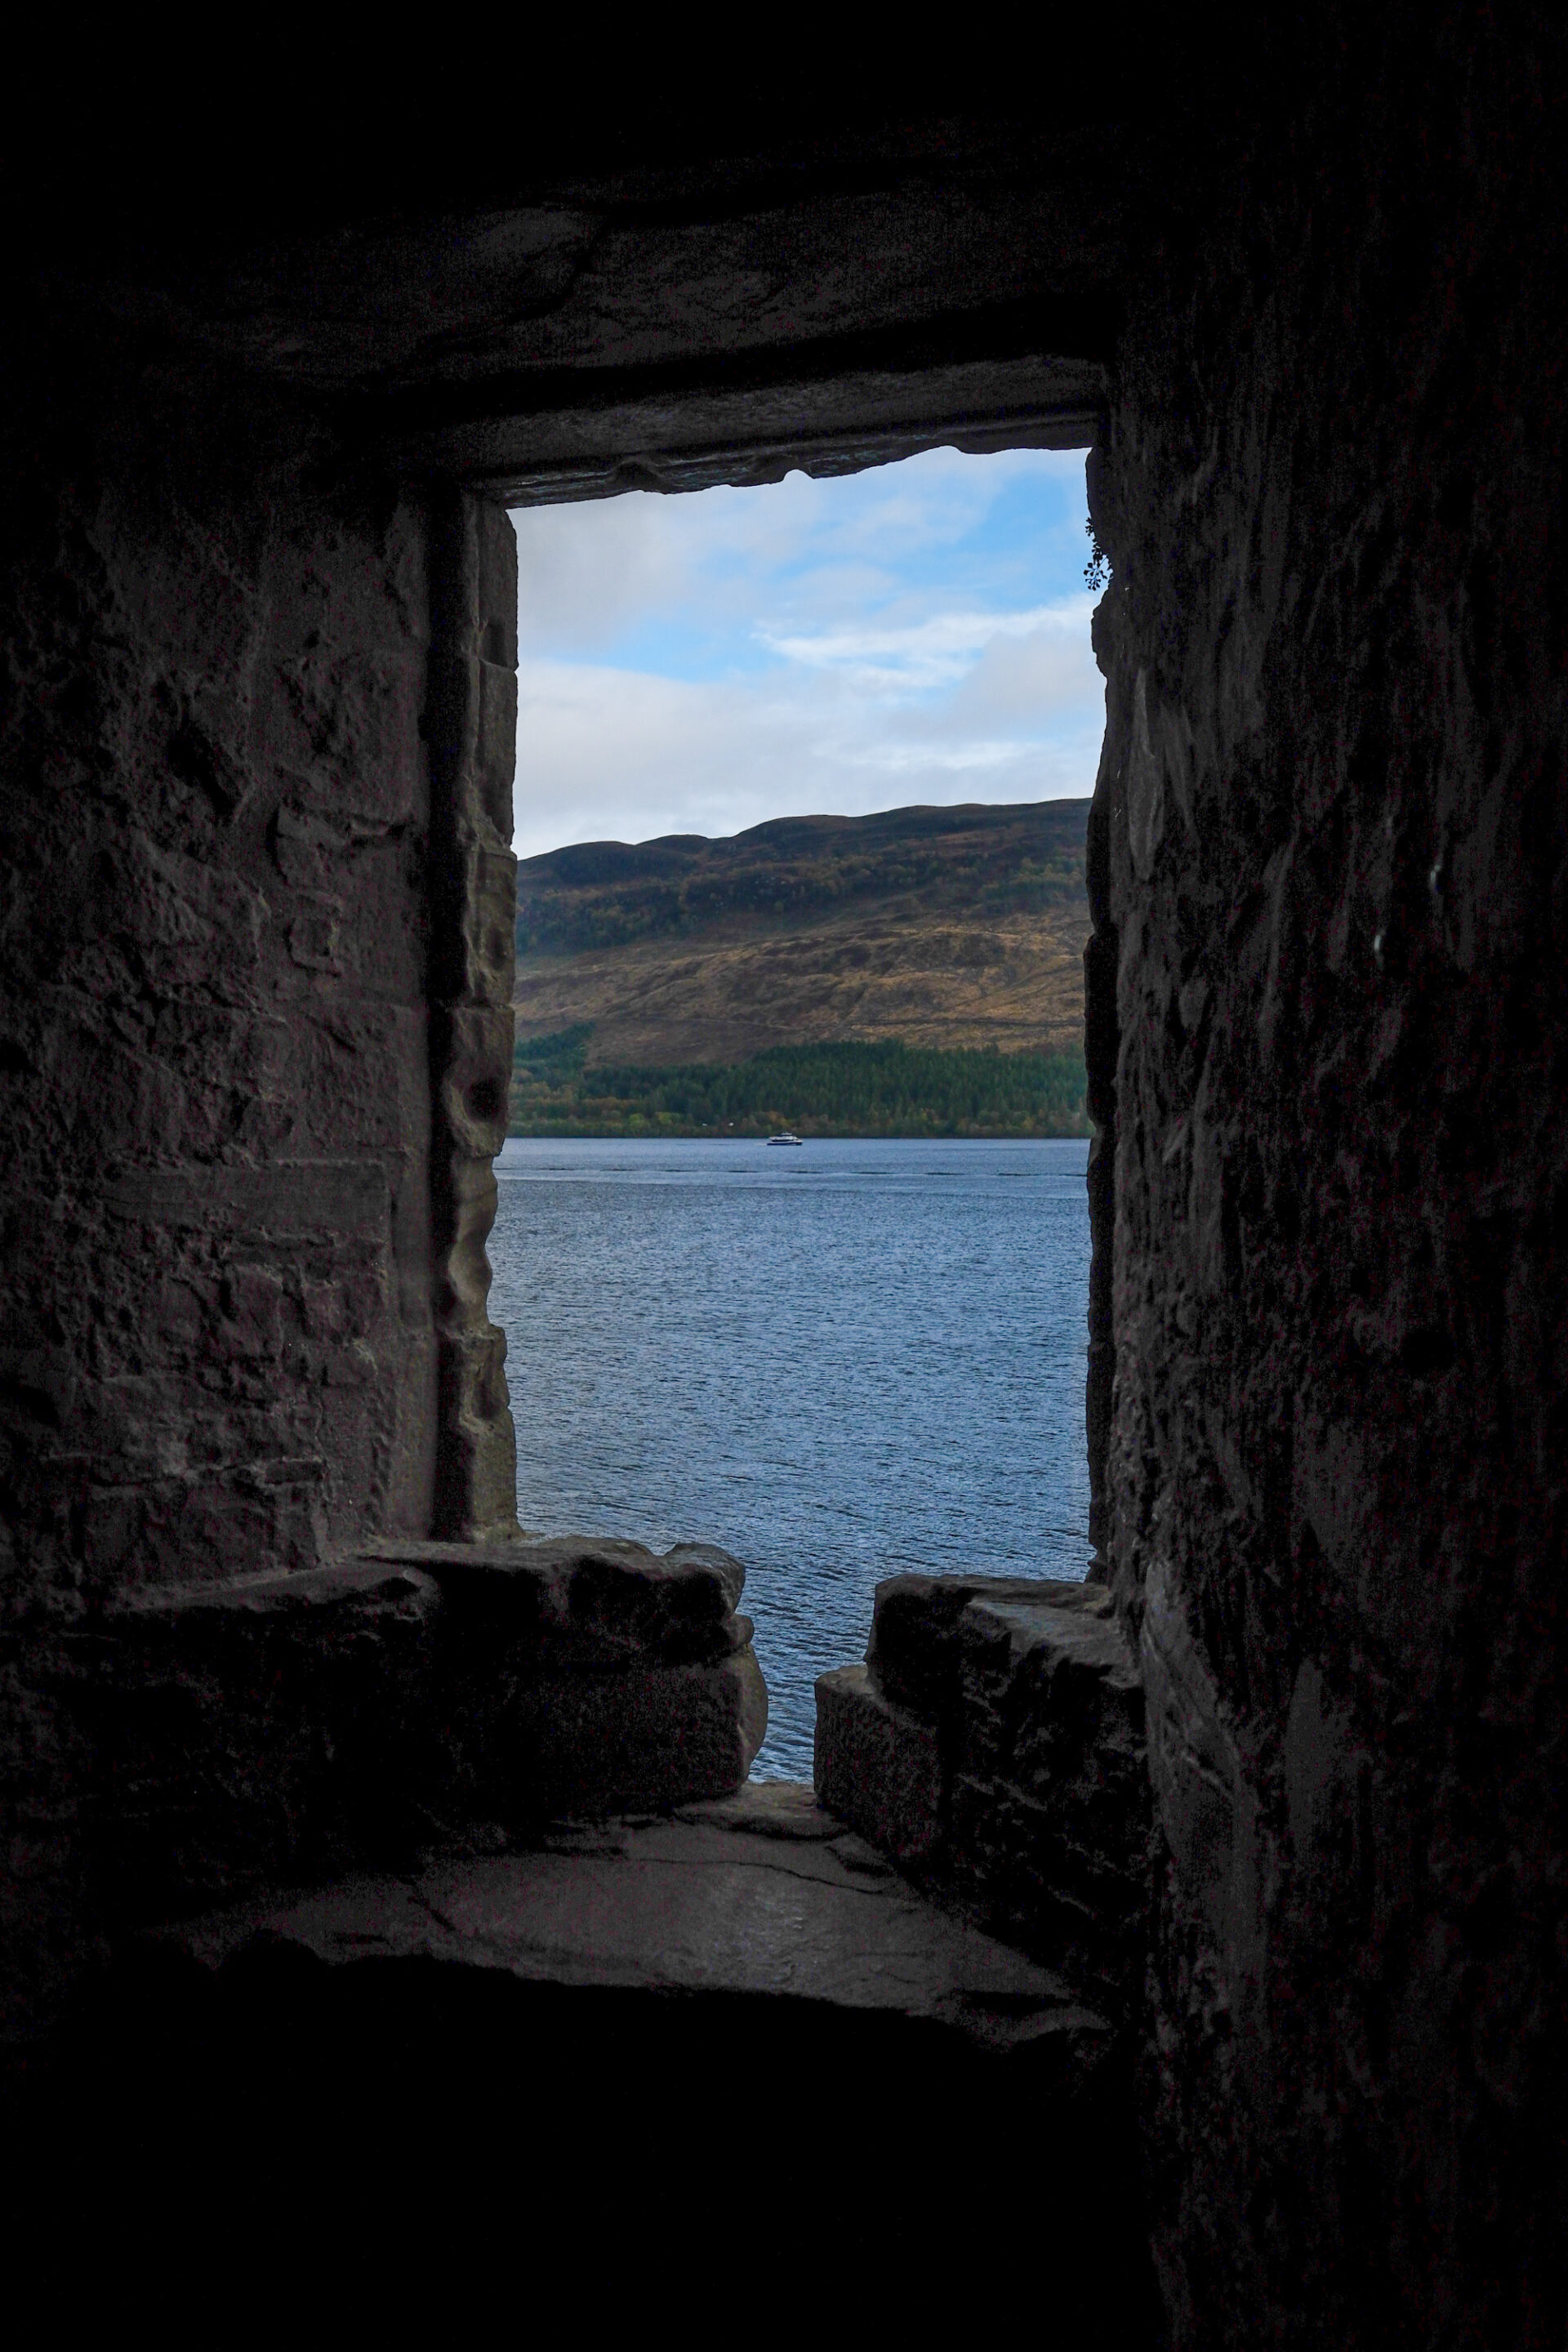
x=918 y=632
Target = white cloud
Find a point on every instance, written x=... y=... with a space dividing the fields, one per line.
x=698 y=665
x=606 y=754
x=935 y=652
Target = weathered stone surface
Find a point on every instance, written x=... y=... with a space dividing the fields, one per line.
x=915 y=1653
x=1048 y=1678
x=574 y=1676
x=1049 y=1802
x=216 y=1339
x=470 y=726
x=275 y=1725
x=775 y=1809
x=286 y=1725
x=646 y=1734
x=1329 y=869
x=592 y=1601
x=879 y=1767
x=994 y=1739
x=694 y=1905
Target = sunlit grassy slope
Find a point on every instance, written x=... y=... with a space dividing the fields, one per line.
x=651 y=979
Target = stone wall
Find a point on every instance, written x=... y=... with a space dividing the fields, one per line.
x=254 y=1045
x=471 y=729
x=216 y=1329
x=1332 y=886
x=253 y=769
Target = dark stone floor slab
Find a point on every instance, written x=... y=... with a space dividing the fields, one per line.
x=761 y=1895
x=623 y=2052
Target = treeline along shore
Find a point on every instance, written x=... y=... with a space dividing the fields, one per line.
x=915 y=973
x=835 y=1088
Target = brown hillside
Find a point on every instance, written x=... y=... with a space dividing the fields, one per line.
x=939 y=927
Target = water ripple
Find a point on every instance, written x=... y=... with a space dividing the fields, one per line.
x=838 y=1362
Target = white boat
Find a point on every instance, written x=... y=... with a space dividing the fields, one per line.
x=785 y=1138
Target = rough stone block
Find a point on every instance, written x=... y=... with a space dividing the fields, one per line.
x=914 y=1650
x=584 y=1603
x=276 y=1727
x=878 y=1768
x=1047 y=1685
x=283 y=1726
x=644 y=1736
x=574 y=1676
x=1050 y=1796
x=995 y=1735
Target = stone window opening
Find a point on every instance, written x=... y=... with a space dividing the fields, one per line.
x=282 y=1682
x=478 y=1441
x=429 y=1689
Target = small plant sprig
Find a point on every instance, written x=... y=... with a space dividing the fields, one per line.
x=1097 y=571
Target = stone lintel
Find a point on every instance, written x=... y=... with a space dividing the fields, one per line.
x=518 y=461
x=590 y=440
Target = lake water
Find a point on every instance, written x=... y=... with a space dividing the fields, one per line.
x=838 y=1362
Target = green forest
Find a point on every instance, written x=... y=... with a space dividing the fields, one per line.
x=887 y=1088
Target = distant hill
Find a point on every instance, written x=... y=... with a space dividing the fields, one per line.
x=645 y=970
x=940 y=926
